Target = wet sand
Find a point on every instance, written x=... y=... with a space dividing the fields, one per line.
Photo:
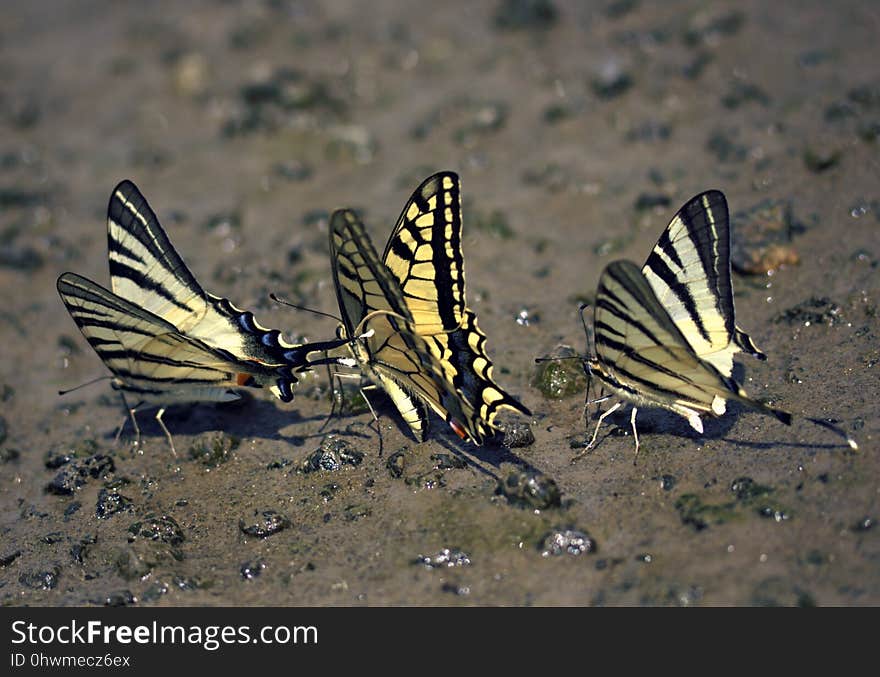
x=577 y=134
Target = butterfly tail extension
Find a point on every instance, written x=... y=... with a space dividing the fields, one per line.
x=745 y=343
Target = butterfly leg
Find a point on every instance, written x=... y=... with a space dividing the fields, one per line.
x=130 y=411
x=165 y=430
x=596 y=431
x=364 y=390
x=332 y=376
x=632 y=422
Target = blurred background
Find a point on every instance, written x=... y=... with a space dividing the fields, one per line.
x=578 y=129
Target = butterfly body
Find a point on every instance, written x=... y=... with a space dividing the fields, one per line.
x=427 y=347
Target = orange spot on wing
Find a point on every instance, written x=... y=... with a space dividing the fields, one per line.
x=461 y=432
x=243 y=379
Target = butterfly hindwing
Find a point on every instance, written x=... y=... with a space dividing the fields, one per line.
x=643 y=351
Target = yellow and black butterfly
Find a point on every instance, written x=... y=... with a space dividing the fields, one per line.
x=665 y=335
x=162 y=336
x=427 y=342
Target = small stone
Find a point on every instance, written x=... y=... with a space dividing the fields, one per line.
x=821 y=159
x=448 y=462
x=518 y=435
x=9 y=557
x=77 y=472
x=745 y=488
x=864 y=524
x=566 y=541
x=213 y=449
x=40 y=580
x=762 y=237
x=444 y=559
x=293 y=170
x=190 y=74
x=611 y=80
x=557 y=379
x=268 y=522
x=355 y=512
x=110 y=502
x=161 y=528
x=396 y=464
x=741 y=93
x=646 y=201
x=333 y=453
x=667 y=482
x=815 y=310
x=119 y=598
x=495 y=224
x=530 y=489
x=253 y=569
x=525 y=15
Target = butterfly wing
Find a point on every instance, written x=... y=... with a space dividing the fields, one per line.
x=370 y=298
x=644 y=355
x=425 y=255
x=146 y=353
x=689 y=271
x=146 y=269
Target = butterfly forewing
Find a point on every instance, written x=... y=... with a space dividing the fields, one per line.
x=424 y=253
x=689 y=271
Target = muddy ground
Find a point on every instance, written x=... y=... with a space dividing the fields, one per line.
x=578 y=129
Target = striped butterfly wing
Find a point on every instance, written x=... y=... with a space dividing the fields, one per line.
x=146 y=353
x=146 y=269
x=689 y=271
x=425 y=255
x=644 y=354
x=370 y=298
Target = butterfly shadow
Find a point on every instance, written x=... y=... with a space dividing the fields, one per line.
x=245 y=418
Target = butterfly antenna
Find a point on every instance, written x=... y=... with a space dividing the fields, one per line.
x=83 y=385
x=833 y=428
x=278 y=299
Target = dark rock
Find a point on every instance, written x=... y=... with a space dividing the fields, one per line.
x=20 y=258
x=646 y=201
x=517 y=435
x=529 y=489
x=525 y=15
x=119 y=598
x=694 y=513
x=353 y=513
x=619 y=8
x=866 y=96
x=649 y=131
x=864 y=524
x=695 y=67
x=444 y=559
x=448 y=462
x=568 y=541
x=667 y=482
x=161 y=528
x=740 y=93
x=484 y=117
x=253 y=569
x=55 y=458
x=9 y=557
x=333 y=453
x=53 y=537
x=396 y=463
x=40 y=580
x=268 y=522
x=8 y=455
x=814 y=310
x=154 y=592
x=71 y=509
x=77 y=472
x=745 y=488
x=110 y=502
x=821 y=159
x=774 y=512
x=611 y=80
